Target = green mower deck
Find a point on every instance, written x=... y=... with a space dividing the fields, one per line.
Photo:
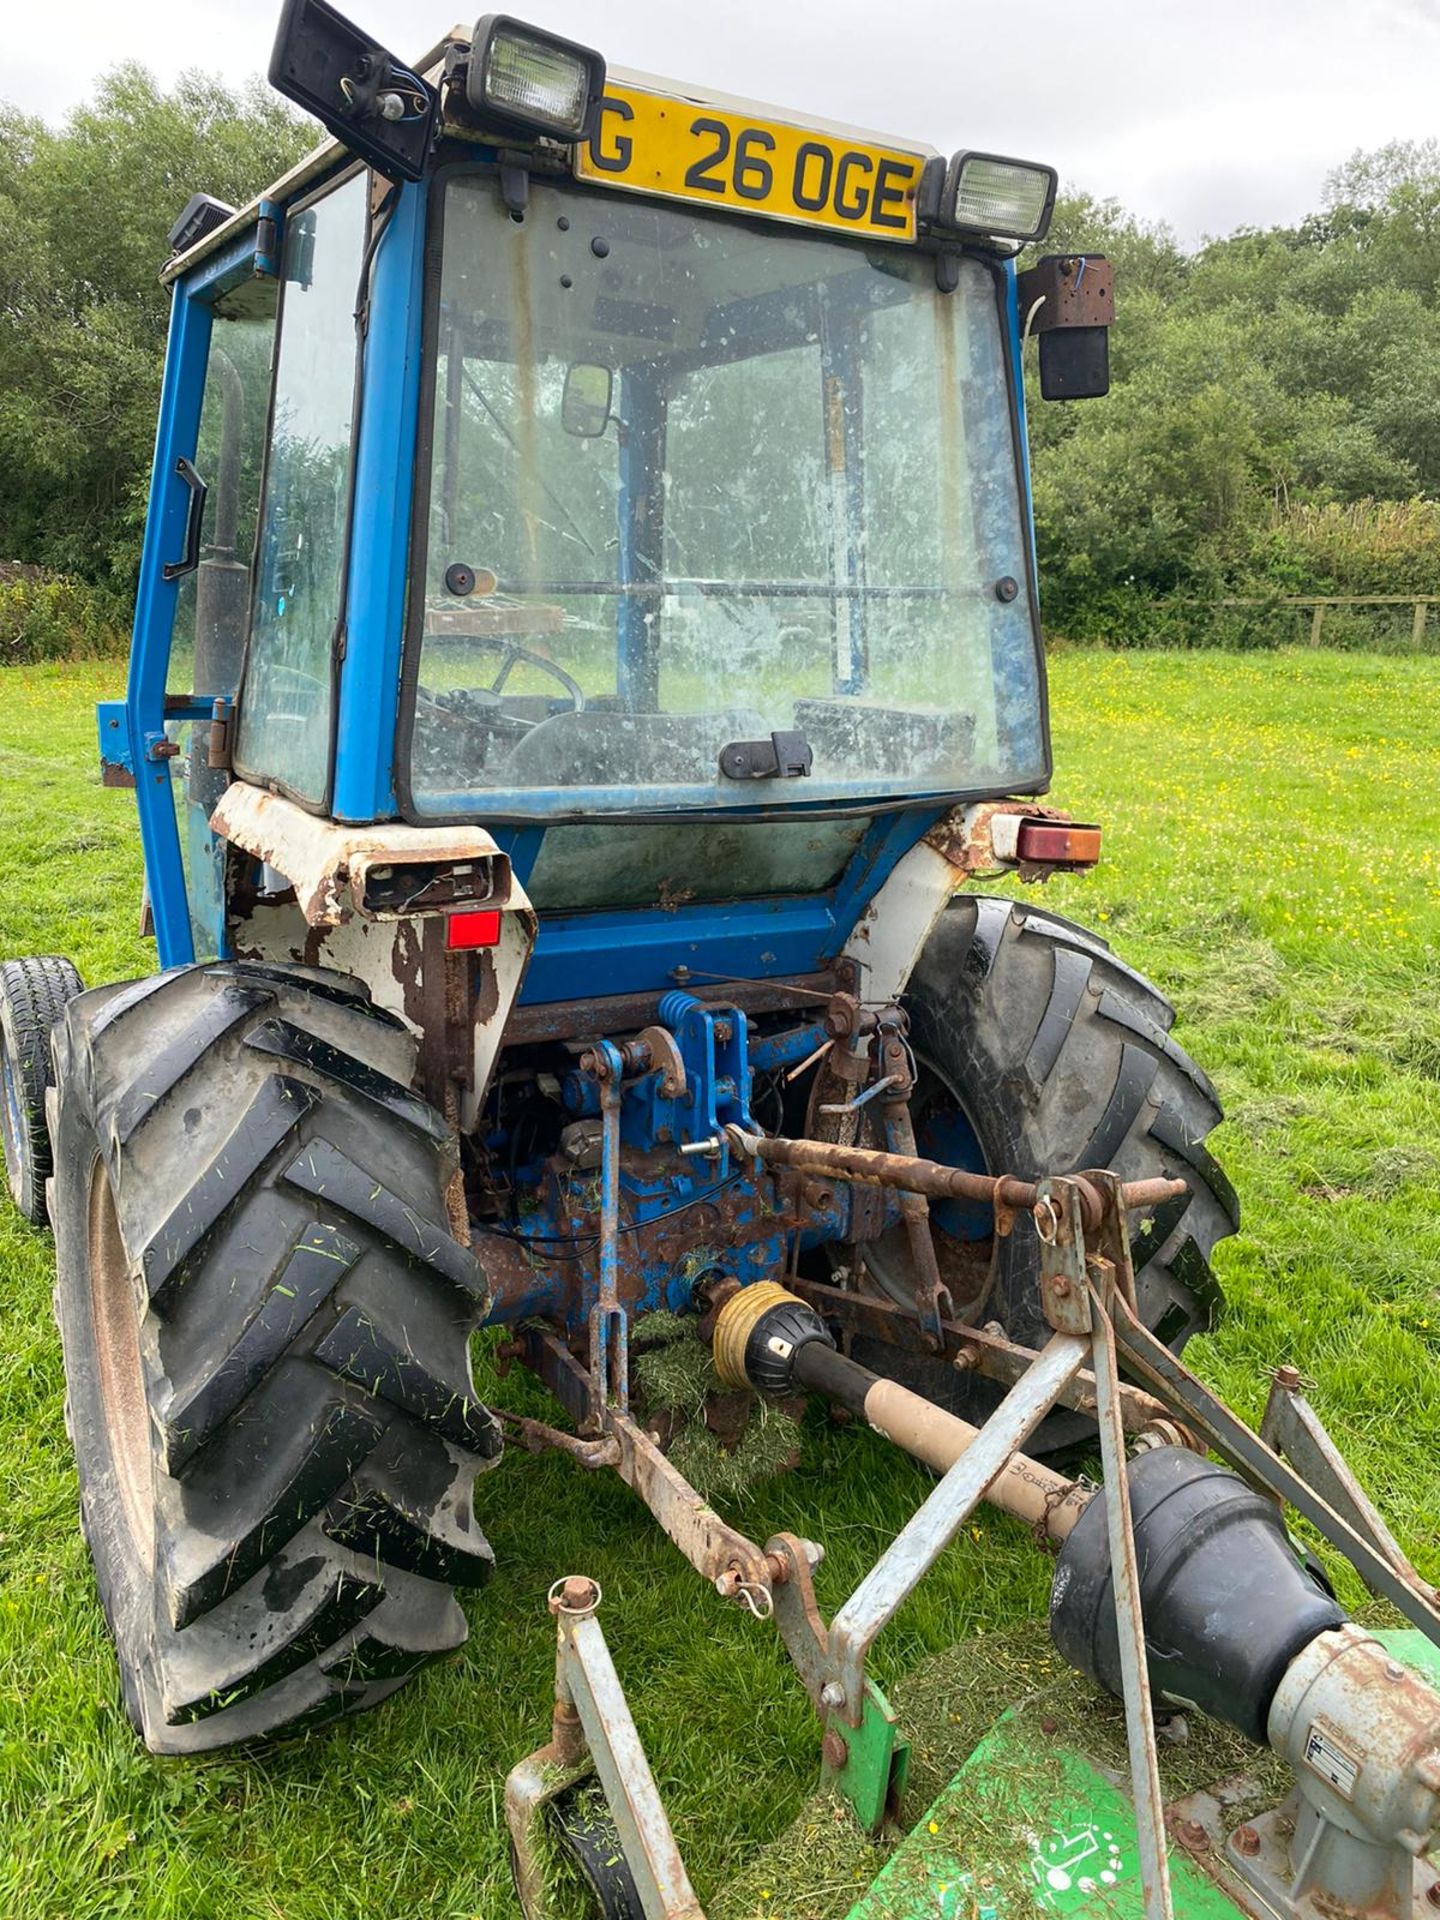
x=1032 y=1824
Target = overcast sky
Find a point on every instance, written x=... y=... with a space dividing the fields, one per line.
x=1210 y=114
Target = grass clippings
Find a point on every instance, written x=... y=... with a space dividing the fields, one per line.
x=1295 y=793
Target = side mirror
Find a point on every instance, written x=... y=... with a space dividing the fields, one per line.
x=1068 y=301
x=379 y=109
x=585 y=402
x=1075 y=363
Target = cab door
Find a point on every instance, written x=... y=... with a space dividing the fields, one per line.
x=193 y=595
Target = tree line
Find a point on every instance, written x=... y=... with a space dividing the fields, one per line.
x=1273 y=425
x=84 y=214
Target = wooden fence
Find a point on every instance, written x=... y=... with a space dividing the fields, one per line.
x=1322 y=602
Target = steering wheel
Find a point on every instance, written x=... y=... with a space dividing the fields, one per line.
x=483 y=709
x=511 y=656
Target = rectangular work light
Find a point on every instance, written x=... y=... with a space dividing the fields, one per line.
x=986 y=193
x=534 y=82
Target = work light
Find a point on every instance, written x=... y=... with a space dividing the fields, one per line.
x=986 y=193
x=533 y=81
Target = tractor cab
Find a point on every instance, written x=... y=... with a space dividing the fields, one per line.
x=637 y=476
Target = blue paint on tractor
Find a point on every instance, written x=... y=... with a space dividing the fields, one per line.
x=133 y=737
x=379 y=549
x=181 y=395
x=632 y=952
x=945 y=1134
x=661 y=1177
x=787 y=1049
x=638 y=951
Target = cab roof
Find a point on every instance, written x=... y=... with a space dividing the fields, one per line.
x=332 y=154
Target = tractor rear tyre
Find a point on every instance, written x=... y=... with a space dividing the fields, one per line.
x=1039 y=1051
x=265 y=1320
x=33 y=995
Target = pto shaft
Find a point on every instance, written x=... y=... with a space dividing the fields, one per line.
x=765 y=1339
x=1046 y=1501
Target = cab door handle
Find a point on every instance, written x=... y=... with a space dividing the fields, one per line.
x=190 y=559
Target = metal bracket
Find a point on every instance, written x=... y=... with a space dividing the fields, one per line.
x=593 y=1732
x=1228 y=1435
x=1292 y=1427
x=116 y=766
x=869 y=1764
x=1060 y=1228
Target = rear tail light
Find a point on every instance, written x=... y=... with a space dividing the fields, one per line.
x=464 y=931
x=1057 y=843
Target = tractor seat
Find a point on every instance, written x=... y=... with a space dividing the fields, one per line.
x=600 y=749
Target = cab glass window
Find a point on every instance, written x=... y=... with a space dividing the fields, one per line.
x=210 y=614
x=296 y=608
x=694 y=482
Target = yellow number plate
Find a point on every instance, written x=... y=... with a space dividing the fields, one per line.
x=652 y=144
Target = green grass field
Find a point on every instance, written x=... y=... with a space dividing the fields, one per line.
x=1272 y=859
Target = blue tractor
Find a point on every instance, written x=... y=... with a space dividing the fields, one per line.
x=586 y=651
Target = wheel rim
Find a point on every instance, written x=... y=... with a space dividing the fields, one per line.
x=121 y=1377
x=964 y=1231
x=10 y=1118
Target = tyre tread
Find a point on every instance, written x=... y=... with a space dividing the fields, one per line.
x=34 y=993
x=317 y=1433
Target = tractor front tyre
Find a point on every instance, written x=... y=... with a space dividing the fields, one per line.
x=33 y=995
x=1040 y=1052
x=265 y=1320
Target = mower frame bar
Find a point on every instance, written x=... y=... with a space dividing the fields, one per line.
x=1291 y=1427
x=932 y=1526
x=593 y=1732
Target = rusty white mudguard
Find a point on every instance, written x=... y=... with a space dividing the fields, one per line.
x=374 y=901
x=891 y=933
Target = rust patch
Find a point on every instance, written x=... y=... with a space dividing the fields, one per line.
x=459 y=1000
x=312 y=953
x=407 y=966
x=872 y=1166
x=433 y=1000
x=455 y=1207
x=487 y=988
x=965 y=836
x=329 y=865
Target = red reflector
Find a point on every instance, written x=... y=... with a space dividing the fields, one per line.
x=1057 y=843
x=464 y=930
